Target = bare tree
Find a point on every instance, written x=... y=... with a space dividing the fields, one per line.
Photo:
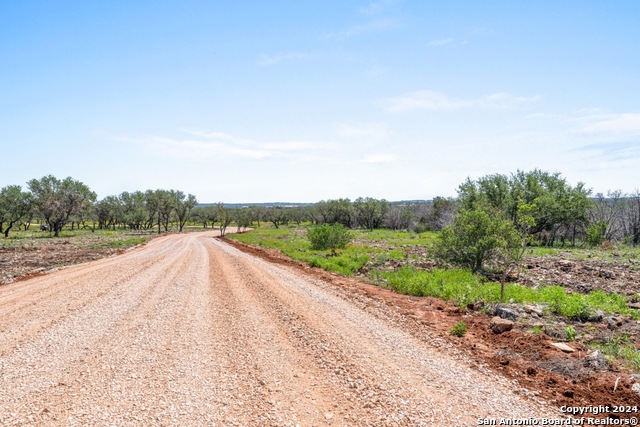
x=399 y=217
x=631 y=218
x=609 y=209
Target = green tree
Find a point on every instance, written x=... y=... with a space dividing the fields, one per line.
x=558 y=206
x=134 y=210
x=57 y=200
x=160 y=206
x=596 y=233
x=242 y=217
x=337 y=211
x=277 y=215
x=204 y=215
x=225 y=216
x=370 y=212
x=108 y=212
x=15 y=205
x=477 y=238
x=183 y=206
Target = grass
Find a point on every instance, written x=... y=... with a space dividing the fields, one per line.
x=378 y=248
x=454 y=285
x=463 y=287
x=125 y=243
x=459 y=329
x=292 y=242
x=395 y=237
x=621 y=348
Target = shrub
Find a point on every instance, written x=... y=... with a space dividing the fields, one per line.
x=570 y=333
x=476 y=238
x=326 y=236
x=596 y=233
x=459 y=329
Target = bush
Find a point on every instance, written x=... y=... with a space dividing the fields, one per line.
x=477 y=238
x=459 y=329
x=570 y=333
x=327 y=236
x=596 y=233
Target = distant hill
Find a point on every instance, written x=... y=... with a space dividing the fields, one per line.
x=266 y=205
x=295 y=205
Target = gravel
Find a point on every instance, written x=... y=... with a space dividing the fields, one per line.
x=190 y=331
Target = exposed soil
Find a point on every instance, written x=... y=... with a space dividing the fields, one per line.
x=188 y=330
x=584 y=275
x=33 y=257
x=526 y=358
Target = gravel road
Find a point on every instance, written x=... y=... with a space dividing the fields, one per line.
x=189 y=331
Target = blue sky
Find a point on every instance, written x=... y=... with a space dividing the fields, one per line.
x=300 y=101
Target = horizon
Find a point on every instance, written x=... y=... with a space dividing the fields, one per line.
x=291 y=101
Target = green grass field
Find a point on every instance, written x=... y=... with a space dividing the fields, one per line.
x=374 y=249
x=292 y=242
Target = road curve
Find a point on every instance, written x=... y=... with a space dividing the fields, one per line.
x=189 y=331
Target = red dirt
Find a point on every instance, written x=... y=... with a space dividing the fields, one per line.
x=522 y=356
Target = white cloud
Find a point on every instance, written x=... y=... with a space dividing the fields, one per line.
x=374 y=131
x=290 y=145
x=430 y=100
x=211 y=135
x=379 y=158
x=223 y=146
x=626 y=125
x=197 y=150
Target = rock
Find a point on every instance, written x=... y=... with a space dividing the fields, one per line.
x=636 y=388
x=613 y=322
x=596 y=317
x=562 y=346
x=505 y=313
x=584 y=288
x=596 y=360
x=532 y=309
x=499 y=325
x=565 y=265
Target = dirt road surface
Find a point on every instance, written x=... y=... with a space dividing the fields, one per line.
x=189 y=331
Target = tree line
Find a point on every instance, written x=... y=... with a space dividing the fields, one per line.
x=57 y=203
x=540 y=204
